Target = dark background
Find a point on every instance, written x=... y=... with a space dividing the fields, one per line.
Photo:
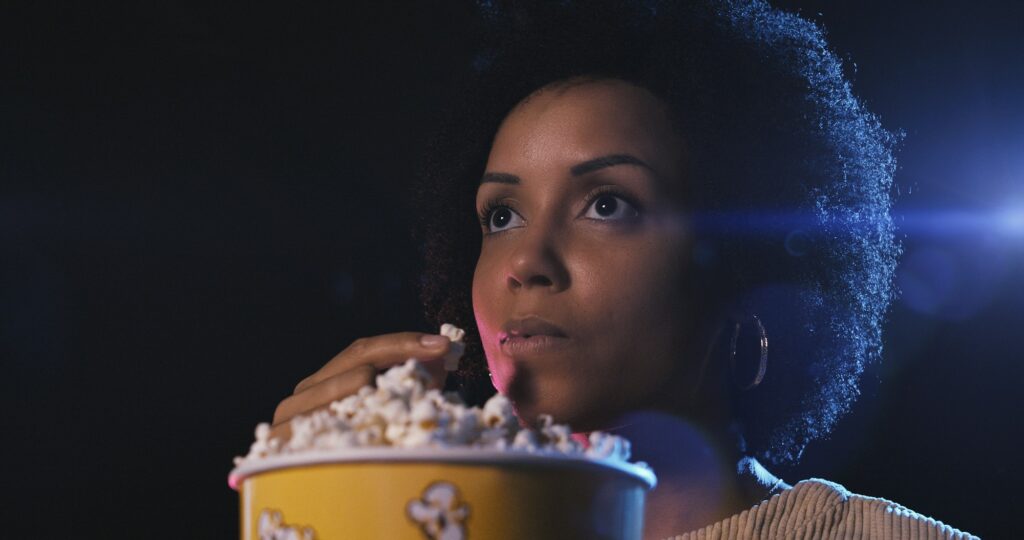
x=199 y=206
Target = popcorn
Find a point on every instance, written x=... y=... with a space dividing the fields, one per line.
x=402 y=412
x=465 y=426
x=526 y=440
x=452 y=332
x=606 y=446
x=264 y=445
x=560 y=436
x=451 y=359
x=403 y=381
x=497 y=413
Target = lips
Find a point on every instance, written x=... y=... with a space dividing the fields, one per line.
x=531 y=335
x=529 y=326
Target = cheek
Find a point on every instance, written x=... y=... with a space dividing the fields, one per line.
x=502 y=371
x=641 y=318
x=632 y=290
x=487 y=310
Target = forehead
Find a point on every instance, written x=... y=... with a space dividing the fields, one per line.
x=566 y=125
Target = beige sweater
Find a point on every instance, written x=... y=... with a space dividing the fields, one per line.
x=817 y=508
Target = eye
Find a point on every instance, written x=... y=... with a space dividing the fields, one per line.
x=609 y=206
x=499 y=217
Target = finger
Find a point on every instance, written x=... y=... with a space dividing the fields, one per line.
x=282 y=431
x=324 y=392
x=438 y=375
x=381 y=352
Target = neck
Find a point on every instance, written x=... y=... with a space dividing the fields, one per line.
x=702 y=477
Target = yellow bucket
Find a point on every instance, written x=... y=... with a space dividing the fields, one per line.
x=448 y=494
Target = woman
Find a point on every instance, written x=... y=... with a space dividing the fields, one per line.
x=660 y=187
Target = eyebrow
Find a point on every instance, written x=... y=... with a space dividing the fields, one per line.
x=579 y=169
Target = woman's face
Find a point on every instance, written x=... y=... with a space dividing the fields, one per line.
x=594 y=249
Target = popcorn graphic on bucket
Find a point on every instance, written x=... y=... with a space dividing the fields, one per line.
x=273 y=527
x=440 y=513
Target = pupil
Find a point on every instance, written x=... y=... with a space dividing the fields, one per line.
x=501 y=217
x=606 y=205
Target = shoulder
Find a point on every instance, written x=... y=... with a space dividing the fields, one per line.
x=831 y=508
x=817 y=508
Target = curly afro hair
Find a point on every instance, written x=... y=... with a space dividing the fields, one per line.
x=789 y=183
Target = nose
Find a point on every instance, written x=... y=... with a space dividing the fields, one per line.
x=537 y=261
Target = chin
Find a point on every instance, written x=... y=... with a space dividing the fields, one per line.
x=528 y=408
x=533 y=395
x=561 y=413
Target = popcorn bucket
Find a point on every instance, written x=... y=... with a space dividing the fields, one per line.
x=448 y=493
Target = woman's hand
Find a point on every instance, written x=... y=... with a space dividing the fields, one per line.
x=357 y=366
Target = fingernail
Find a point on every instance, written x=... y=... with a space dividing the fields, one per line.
x=433 y=341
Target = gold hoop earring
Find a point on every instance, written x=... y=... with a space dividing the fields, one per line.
x=762 y=361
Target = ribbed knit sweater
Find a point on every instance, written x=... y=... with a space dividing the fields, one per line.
x=819 y=509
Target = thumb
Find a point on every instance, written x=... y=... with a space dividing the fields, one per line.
x=439 y=368
x=438 y=374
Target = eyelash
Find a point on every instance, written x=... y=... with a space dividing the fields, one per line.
x=493 y=204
